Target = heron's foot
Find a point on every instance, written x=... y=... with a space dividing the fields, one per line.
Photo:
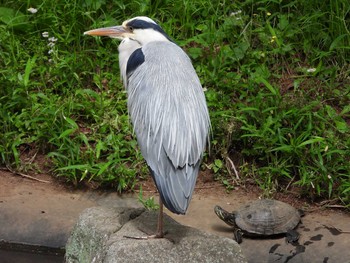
x=145 y=237
x=148 y=236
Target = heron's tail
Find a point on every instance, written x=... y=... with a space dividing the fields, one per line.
x=176 y=187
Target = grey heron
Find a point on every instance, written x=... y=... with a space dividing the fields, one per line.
x=167 y=107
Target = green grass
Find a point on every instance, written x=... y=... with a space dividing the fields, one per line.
x=276 y=76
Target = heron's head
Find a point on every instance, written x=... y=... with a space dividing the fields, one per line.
x=141 y=29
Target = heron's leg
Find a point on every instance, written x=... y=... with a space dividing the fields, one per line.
x=160 y=232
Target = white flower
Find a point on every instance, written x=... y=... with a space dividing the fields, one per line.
x=51 y=44
x=45 y=34
x=236 y=13
x=50 y=51
x=52 y=39
x=310 y=70
x=32 y=10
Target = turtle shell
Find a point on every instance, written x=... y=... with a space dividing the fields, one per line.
x=267 y=217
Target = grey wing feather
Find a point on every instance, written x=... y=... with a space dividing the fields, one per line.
x=171 y=121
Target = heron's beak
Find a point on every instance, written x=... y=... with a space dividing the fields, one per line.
x=113 y=32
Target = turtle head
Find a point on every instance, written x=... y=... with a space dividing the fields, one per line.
x=228 y=218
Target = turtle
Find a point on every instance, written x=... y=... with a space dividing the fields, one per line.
x=263 y=217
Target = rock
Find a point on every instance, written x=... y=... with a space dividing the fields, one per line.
x=99 y=236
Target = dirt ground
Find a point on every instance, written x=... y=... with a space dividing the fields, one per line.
x=43 y=213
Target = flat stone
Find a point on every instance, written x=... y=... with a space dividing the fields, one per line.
x=99 y=236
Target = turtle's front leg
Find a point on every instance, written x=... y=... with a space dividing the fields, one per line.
x=238 y=235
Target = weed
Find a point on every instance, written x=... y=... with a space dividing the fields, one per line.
x=148 y=203
x=278 y=93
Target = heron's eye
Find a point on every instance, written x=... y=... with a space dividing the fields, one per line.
x=131 y=28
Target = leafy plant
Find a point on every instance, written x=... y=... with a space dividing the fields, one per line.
x=149 y=202
x=277 y=92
